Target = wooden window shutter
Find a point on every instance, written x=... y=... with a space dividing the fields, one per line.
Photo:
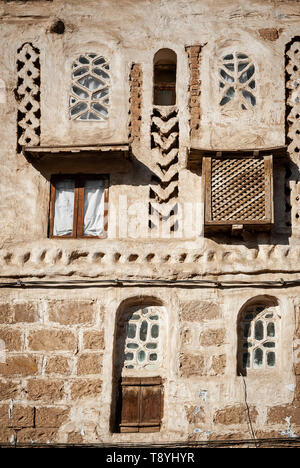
x=142 y=404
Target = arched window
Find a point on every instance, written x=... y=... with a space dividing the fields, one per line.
x=138 y=359
x=258 y=335
x=89 y=97
x=165 y=65
x=237 y=82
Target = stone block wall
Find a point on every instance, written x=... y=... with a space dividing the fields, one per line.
x=136 y=99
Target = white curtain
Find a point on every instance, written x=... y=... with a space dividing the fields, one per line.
x=64 y=208
x=93 y=218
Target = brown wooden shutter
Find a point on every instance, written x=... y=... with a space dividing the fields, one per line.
x=142 y=404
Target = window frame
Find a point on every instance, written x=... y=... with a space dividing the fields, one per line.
x=78 y=214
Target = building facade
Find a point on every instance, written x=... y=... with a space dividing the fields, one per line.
x=150 y=230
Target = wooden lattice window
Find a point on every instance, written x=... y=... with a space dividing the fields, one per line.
x=238 y=190
x=141 y=404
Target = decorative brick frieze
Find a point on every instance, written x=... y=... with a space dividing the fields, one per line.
x=194 y=58
x=28 y=96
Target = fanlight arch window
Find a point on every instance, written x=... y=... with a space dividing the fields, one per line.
x=142 y=344
x=165 y=67
x=237 y=81
x=90 y=91
x=258 y=338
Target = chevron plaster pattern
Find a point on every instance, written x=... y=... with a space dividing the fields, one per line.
x=164 y=187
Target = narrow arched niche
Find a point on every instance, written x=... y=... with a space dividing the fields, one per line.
x=164 y=78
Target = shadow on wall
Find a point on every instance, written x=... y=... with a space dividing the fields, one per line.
x=124 y=313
